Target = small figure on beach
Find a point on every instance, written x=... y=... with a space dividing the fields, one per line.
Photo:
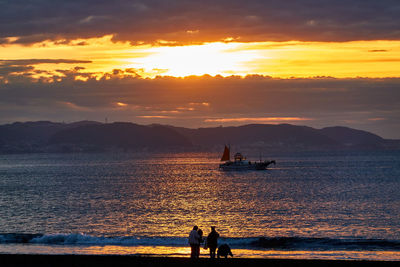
x=194 y=242
x=224 y=250
x=212 y=241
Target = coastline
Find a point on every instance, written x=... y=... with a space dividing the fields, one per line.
x=14 y=260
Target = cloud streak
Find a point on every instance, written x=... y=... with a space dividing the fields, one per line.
x=208 y=101
x=24 y=62
x=260 y=120
x=26 y=67
x=177 y=22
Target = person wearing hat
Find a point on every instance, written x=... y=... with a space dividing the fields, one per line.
x=212 y=241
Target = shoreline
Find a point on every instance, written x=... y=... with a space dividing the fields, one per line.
x=14 y=260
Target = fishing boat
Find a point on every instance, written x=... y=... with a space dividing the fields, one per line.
x=240 y=163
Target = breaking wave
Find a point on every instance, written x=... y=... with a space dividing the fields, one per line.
x=255 y=243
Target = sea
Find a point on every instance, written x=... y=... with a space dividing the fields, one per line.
x=310 y=205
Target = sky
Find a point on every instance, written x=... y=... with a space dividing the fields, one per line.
x=205 y=63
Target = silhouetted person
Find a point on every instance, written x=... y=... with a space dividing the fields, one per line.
x=212 y=241
x=194 y=243
x=224 y=250
x=201 y=240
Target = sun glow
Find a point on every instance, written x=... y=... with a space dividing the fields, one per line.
x=277 y=59
x=179 y=61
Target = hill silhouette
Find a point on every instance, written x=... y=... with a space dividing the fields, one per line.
x=258 y=133
x=45 y=136
x=351 y=137
x=121 y=135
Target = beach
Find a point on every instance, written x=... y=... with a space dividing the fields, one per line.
x=13 y=260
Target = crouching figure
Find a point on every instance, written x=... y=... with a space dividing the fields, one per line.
x=223 y=251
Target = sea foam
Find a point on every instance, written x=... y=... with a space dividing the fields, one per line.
x=258 y=243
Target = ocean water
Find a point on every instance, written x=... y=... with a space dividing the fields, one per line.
x=338 y=205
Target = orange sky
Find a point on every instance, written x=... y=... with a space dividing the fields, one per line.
x=276 y=59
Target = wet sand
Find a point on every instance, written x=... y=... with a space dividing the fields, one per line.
x=7 y=260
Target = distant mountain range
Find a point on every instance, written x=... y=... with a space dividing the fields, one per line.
x=90 y=136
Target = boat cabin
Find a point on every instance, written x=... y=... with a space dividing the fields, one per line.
x=239 y=157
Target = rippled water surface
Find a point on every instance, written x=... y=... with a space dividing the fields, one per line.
x=332 y=196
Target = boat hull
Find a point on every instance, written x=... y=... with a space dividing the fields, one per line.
x=242 y=166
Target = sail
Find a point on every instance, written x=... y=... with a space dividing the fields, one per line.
x=226 y=155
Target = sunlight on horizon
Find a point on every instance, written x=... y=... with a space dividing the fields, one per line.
x=373 y=59
x=276 y=59
x=179 y=61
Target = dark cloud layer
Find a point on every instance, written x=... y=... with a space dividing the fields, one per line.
x=25 y=67
x=369 y=104
x=188 y=21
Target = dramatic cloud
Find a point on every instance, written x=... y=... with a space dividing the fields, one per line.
x=369 y=104
x=189 y=21
x=17 y=69
x=76 y=60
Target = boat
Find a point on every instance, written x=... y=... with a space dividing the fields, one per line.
x=240 y=163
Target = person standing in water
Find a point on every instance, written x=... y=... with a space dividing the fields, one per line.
x=212 y=242
x=194 y=242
